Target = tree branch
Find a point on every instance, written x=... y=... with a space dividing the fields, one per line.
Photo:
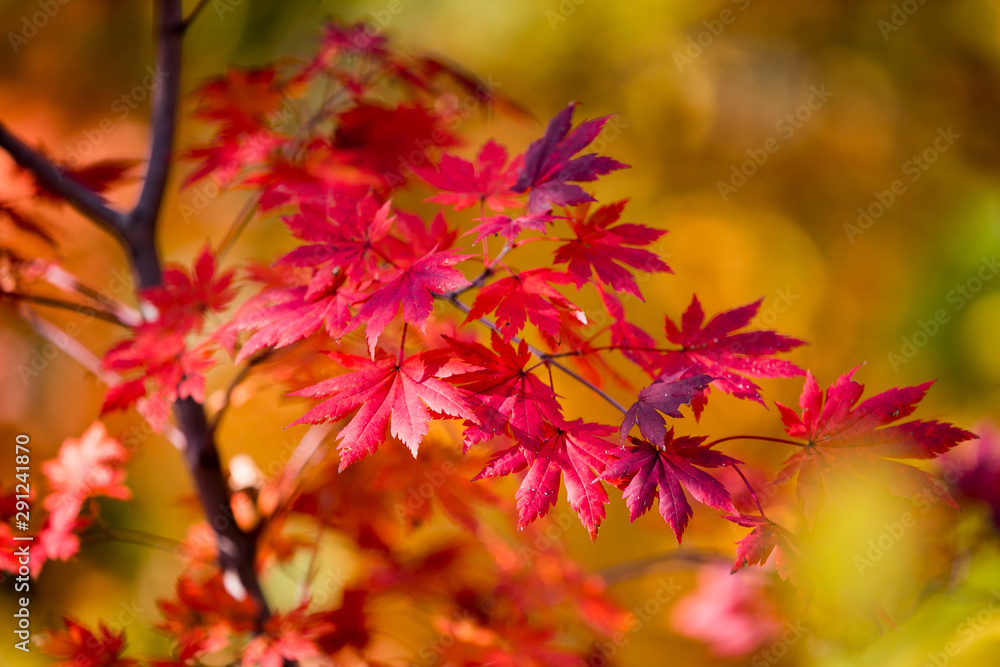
x=237 y=550
x=170 y=34
x=194 y=13
x=82 y=198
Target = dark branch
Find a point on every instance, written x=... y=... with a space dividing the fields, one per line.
x=237 y=549
x=194 y=13
x=64 y=305
x=82 y=198
x=170 y=33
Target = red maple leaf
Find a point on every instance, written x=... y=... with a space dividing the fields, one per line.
x=765 y=538
x=385 y=390
x=76 y=646
x=185 y=296
x=87 y=467
x=290 y=316
x=600 y=247
x=525 y=296
x=666 y=471
x=289 y=636
x=341 y=236
x=510 y=228
x=100 y=177
x=465 y=184
x=666 y=395
x=506 y=398
x=725 y=353
x=634 y=342
x=843 y=435
x=243 y=103
x=349 y=623
x=386 y=141
x=205 y=617
x=412 y=289
x=549 y=165
x=572 y=451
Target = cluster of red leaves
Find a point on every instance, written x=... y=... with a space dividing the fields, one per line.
x=166 y=366
x=76 y=646
x=383 y=290
x=86 y=468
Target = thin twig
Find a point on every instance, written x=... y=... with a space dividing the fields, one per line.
x=51 y=302
x=236 y=381
x=546 y=358
x=194 y=13
x=82 y=198
x=83 y=356
x=672 y=560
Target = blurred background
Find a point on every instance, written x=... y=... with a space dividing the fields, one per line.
x=839 y=159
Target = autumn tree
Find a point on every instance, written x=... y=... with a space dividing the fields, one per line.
x=428 y=353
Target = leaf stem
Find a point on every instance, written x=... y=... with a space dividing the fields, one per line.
x=51 y=302
x=753 y=493
x=754 y=437
x=544 y=357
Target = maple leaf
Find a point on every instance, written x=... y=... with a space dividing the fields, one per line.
x=572 y=451
x=412 y=289
x=87 y=467
x=414 y=238
x=600 y=247
x=666 y=395
x=510 y=228
x=243 y=103
x=466 y=184
x=341 y=235
x=842 y=434
x=205 y=616
x=635 y=343
x=168 y=371
x=524 y=296
x=385 y=141
x=100 y=177
x=549 y=165
x=666 y=471
x=725 y=353
x=292 y=316
x=384 y=389
x=287 y=636
x=76 y=646
x=184 y=297
x=505 y=396
x=349 y=623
